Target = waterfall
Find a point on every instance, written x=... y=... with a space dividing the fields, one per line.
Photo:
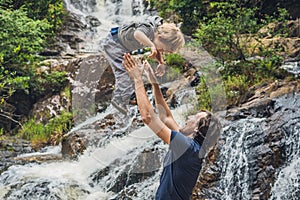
x=259 y=157
x=292 y=67
x=126 y=163
x=96 y=174
x=287 y=185
x=236 y=156
x=110 y=13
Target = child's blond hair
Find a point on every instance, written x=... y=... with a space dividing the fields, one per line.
x=170 y=35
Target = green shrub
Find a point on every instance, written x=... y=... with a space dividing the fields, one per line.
x=49 y=83
x=175 y=60
x=21 y=38
x=50 y=133
x=203 y=96
x=10 y=82
x=51 y=11
x=175 y=66
x=221 y=32
x=236 y=86
x=187 y=12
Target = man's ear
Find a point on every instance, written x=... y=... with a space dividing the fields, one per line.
x=196 y=129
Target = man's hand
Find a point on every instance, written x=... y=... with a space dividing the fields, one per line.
x=149 y=73
x=132 y=68
x=160 y=70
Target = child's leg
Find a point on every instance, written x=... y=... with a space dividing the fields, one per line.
x=124 y=85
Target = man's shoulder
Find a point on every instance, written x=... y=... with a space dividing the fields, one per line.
x=179 y=138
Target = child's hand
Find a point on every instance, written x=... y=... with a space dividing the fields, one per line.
x=153 y=52
x=157 y=55
x=160 y=70
x=159 y=58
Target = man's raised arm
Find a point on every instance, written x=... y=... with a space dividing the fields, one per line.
x=144 y=105
x=163 y=109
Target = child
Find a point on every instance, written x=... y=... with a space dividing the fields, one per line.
x=153 y=33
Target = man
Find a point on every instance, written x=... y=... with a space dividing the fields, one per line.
x=187 y=146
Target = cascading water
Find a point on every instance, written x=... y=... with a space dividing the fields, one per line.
x=101 y=172
x=110 y=13
x=259 y=156
x=129 y=163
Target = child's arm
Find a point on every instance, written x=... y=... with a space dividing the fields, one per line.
x=145 y=41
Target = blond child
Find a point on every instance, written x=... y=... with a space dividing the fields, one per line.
x=153 y=33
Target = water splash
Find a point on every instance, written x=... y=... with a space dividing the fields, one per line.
x=287 y=185
x=235 y=156
x=292 y=67
x=110 y=13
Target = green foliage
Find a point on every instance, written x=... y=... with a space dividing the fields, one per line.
x=51 y=11
x=278 y=20
x=26 y=27
x=221 y=32
x=175 y=60
x=50 y=133
x=176 y=64
x=67 y=92
x=20 y=38
x=235 y=87
x=10 y=82
x=48 y=83
x=189 y=12
x=229 y=31
x=203 y=94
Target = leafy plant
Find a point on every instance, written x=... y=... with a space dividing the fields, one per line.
x=48 y=83
x=10 y=82
x=50 y=133
x=51 y=11
x=176 y=65
x=187 y=12
x=235 y=87
x=175 y=60
x=221 y=32
x=20 y=39
x=203 y=94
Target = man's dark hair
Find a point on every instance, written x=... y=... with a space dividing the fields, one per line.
x=208 y=126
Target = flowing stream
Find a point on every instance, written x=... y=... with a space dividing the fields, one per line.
x=118 y=163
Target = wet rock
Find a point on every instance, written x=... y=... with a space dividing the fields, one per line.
x=264 y=146
x=73 y=146
x=10 y=148
x=49 y=108
x=126 y=180
x=93 y=21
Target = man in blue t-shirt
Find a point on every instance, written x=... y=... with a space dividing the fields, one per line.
x=187 y=146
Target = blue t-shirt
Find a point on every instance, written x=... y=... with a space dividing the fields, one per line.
x=181 y=168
